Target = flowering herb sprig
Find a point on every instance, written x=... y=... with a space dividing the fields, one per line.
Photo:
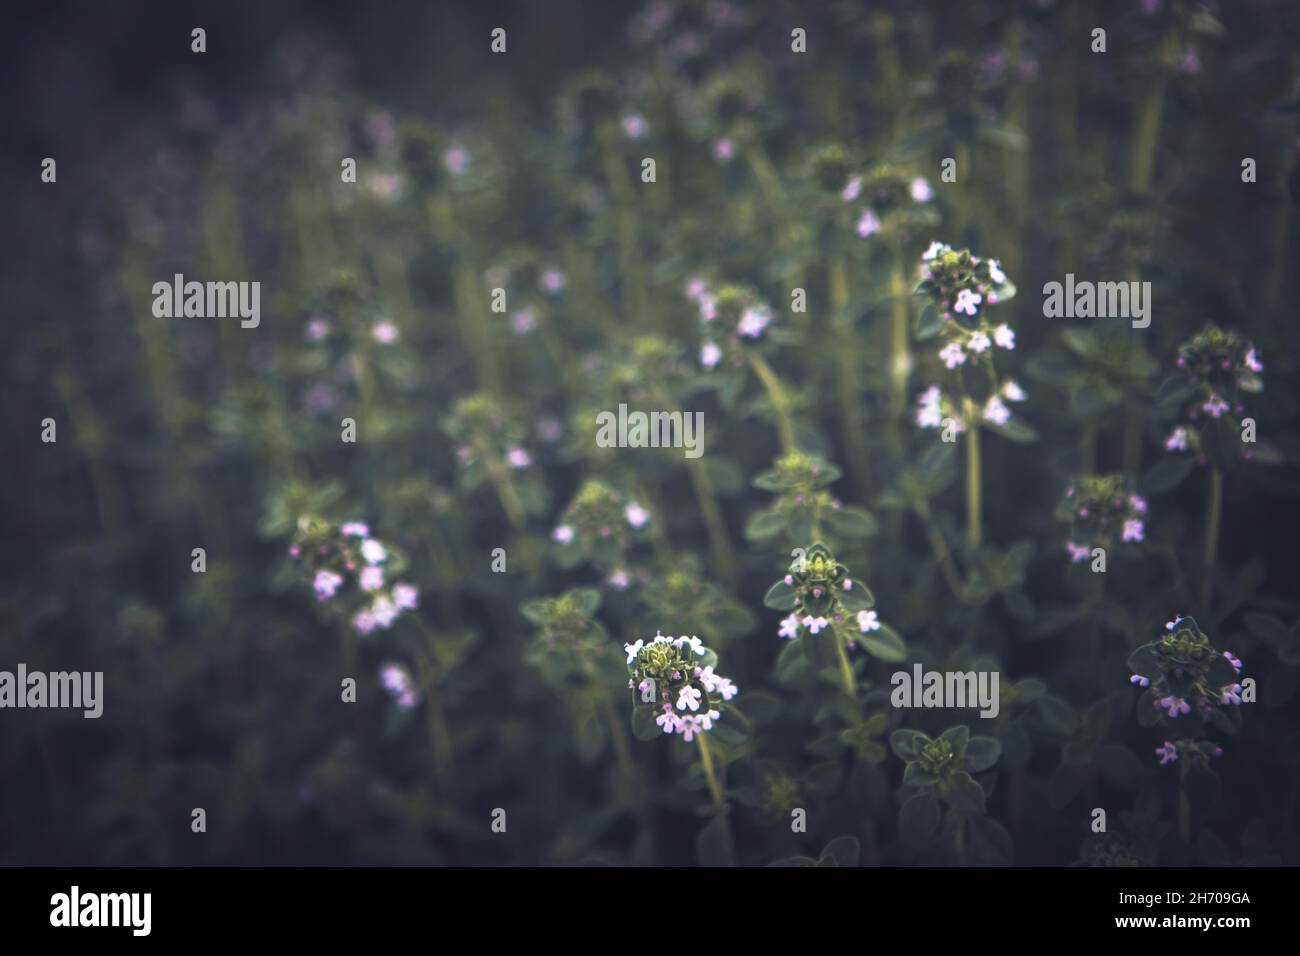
x=821 y=596
x=353 y=571
x=1187 y=682
x=889 y=203
x=491 y=449
x=1216 y=369
x=1102 y=510
x=600 y=525
x=804 y=507
x=960 y=288
x=939 y=770
x=677 y=691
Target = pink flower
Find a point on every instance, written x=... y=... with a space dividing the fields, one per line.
x=562 y=534
x=1004 y=337
x=634 y=125
x=1253 y=363
x=815 y=624
x=1078 y=552
x=753 y=321
x=868 y=224
x=523 y=321
x=1138 y=504
x=710 y=355
x=1215 y=406
x=456 y=159
x=868 y=621
x=326 y=584
x=689 y=697
x=317 y=329
x=724 y=150
x=1177 y=440
x=1133 y=530
x=952 y=355
x=933 y=251
x=1167 y=753
x=921 y=190
x=979 y=342
x=636 y=516
x=996 y=411
x=355 y=529
x=406 y=597
x=669 y=721
x=364 y=622
x=968 y=301
x=371 y=578
x=518 y=458
x=851 y=189
x=1012 y=392
x=553 y=281
x=373 y=551
x=789 y=627
x=385 y=333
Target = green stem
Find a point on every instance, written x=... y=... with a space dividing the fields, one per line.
x=901 y=361
x=974 y=530
x=846 y=669
x=777 y=396
x=1211 y=550
x=846 y=373
x=706 y=760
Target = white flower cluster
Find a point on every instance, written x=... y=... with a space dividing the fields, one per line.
x=685 y=692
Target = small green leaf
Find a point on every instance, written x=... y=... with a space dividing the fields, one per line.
x=766 y=524
x=780 y=597
x=981 y=754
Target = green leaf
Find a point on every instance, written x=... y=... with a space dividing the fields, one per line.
x=780 y=597
x=918 y=818
x=981 y=754
x=1145 y=661
x=1166 y=475
x=929 y=322
x=715 y=846
x=907 y=743
x=1014 y=429
x=852 y=522
x=842 y=851
x=857 y=598
x=643 y=723
x=917 y=776
x=766 y=524
x=884 y=645
x=963 y=793
x=957 y=736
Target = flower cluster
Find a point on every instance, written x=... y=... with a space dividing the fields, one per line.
x=598 y=525
x=729 y=316
x=961 y=287
x=799 y=480
x=934 y=407
x=348 y=554
x=1197 y=753
x=1101 y=509
x=894 y=203
x=487 y=438
x=675 y=677
x=1214 y=368
x=397 y=680
x=1184 y=676
x=821 y=596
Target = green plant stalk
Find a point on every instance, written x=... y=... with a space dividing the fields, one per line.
x=1147 y=137
x=707 y=499
x=939 y=547
x=626 y=226
x=846 y=669
x=846 y=378
x=974 y=527
x=475 y=333
x=901 y=356
x=706 y=761
x=617 y=737
x=1210 y=552
x=777 y=396
x=505 y=491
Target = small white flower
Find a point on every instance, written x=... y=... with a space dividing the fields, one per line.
x=636 y=516
x=868 y=621
x=815 y=624
x=669 y=721
x=633 y=649
x=921 y=190
x=851 y=189
x=789 y=626
x=373 y=551
x=868 y=224
x=996 y=411
x=968 y=301
x=979 y=342
x=952 y=355
x=996 y=273
x=933 y=251
x=1004 y=337
x=562 y=534
x=1012 y=391
x=689 y=697
x=694 y=643
x=710 y=355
